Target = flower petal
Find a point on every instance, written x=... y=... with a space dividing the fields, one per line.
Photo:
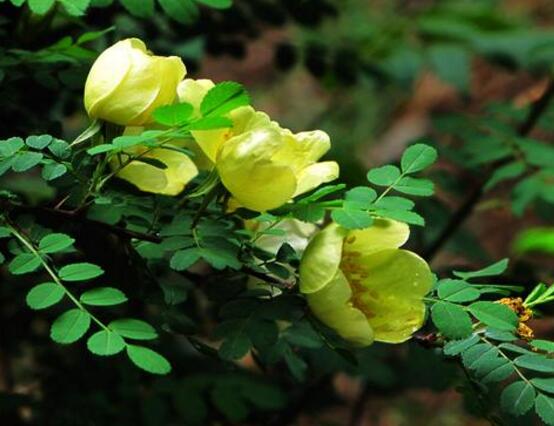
x=316 y=174
x=170 y=181
x=330 y=305
x=244 y=119
x=193 y=92
x=302 y=149
x=126 y=83
x=383 y=234
x=393 y=292
x=245 y=167
x=321 y=259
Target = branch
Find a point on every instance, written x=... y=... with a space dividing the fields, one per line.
x=466 y=208
x=78 y=217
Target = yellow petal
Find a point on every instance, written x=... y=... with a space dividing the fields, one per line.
x=245 y=167
x=244 y=119
x=303 y=149
x=321 y=259
x=316 y=174
x=383 y=234
x=193 y=92
x=106 y=74
x=330 y=305
x=126 y=83
x=170 y=181
x=393 y=293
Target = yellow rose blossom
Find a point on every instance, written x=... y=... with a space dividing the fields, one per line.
x=359 y=283
x=180 y=169
x=261 y=164
x=127 y=83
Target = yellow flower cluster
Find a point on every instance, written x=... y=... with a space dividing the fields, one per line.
x=260 y=163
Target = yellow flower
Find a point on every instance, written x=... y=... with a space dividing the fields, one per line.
x=179 y=171
x=261 y=164
x=359 y=283
x=127 y=83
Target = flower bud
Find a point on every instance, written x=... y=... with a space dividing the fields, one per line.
x=127 y=83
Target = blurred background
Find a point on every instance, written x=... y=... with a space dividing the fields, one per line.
x=377 y=75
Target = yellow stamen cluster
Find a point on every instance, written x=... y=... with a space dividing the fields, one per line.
x=524 y=314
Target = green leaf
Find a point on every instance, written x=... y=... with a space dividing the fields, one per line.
x=418 y=157
x=10 y=146
x=514 y=348
x=5 y=232
x=457 y=291
x=352 y=219
x=499 y=373
x=535 y=240
x=173 y=115
x=497 y=268
x=508 y=171
x=543 y=345
x=80 y=272
x=54 y=243
x=411 y=218
x=39 y=142
x=210 y=123
x=395 y=203
x=476 y=354
x=384 y=176
x=70 y=326
x=24 y=263
x=105 y=343
x=544 y=407
x=235 y=346
x=139 y=8
x=184 y=259
x=223 y=98
x=40 y=7
x=183 y=11
x=494 y=315
x=480 y=357
x=52 y=171
x=75 y=7
x=229 y=402
x=418 y=187
x=456 y=347
x=500 y=336
x=452 y=64
x=361 y=196
x=517 y=398
x=535 y=362
x=133 y=329
x=546 y=385
x=26 y=160
x=217 y=4
x=451 y=320
x=44 y=295
x=148 y=360
x=59 y=148
x=100 y=149
x=103 y=296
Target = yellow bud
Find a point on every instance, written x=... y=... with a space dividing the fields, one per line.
x=127 y=83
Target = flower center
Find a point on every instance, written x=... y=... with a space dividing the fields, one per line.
x=355 y=273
